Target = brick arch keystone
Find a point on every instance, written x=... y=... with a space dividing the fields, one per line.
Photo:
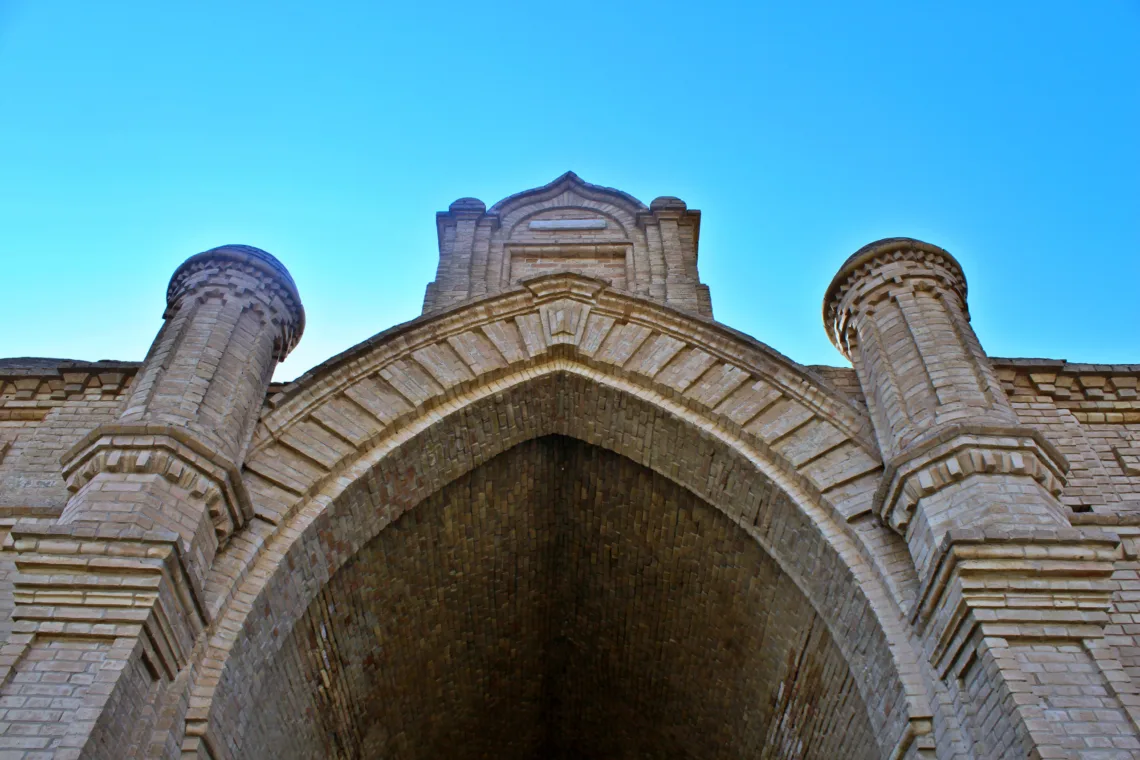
x=785 y=456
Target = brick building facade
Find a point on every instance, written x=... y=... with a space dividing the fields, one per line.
x=566 y=514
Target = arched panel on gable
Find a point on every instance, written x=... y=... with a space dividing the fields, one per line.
x=570 y=226
x=584 y=239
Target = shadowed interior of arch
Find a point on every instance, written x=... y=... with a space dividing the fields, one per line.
x=561 y=601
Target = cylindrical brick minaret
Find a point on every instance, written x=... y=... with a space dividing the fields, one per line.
x=956 y=454
x=172 y=459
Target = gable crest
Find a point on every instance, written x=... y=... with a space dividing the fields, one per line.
x=569 y=225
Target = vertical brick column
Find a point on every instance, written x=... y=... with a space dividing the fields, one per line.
x=672 y=231
x=454 y=277
x=108 y=602
x=1014 y=600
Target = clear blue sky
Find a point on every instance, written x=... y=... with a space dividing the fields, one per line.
x=134 y=134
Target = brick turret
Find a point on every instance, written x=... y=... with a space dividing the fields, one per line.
x=1004 y=579
x=955 y=452
x=173 y=457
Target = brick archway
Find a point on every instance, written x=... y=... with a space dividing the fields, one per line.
x=558 y=601
x=404 y=415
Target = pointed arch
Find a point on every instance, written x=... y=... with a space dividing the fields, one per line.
x=774 y=448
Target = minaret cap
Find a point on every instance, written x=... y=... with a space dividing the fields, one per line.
x=263 y=262
x=866 y=255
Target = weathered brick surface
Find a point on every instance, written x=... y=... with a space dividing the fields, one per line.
x=565 y=514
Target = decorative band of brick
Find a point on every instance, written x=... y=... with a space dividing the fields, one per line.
x=956 y=454
x=1035 y=584
x=20 y=389
x=107 y=582
x=172 y=453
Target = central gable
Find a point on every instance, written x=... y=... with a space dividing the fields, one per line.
x=569 y=226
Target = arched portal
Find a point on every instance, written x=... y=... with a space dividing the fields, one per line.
x=356 y=455
x=560 y=601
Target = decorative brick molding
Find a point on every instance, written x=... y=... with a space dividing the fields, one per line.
x=172 y=453
x=60 y=381
x=104 y=617
x=1033 y=584
x=955 y=454
x=108 y=582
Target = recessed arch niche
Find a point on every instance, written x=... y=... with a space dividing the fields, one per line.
x=560 y=601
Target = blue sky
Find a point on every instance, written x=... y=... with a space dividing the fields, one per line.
x=134 y=134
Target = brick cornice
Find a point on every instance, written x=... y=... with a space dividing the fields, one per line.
x=108 y=582
x=1036 y=584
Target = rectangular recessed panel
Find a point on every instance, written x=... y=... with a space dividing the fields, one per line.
x=568 y=224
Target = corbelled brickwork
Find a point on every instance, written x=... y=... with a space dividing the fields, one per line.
x=565 y=514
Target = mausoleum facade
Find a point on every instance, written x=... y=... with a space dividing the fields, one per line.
x=565 y=513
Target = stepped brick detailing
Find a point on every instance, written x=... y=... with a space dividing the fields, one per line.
x=175 y=456
x=94 y=609
x=1031 y=606
x=959 y=453
x=565 y=514
x=570 y=226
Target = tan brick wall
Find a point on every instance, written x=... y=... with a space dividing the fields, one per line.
x=44 y=410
